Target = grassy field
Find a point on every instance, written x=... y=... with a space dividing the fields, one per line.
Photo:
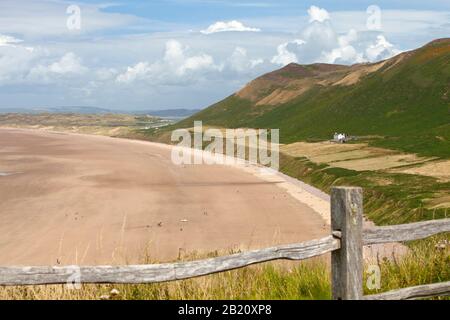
x=307 y=280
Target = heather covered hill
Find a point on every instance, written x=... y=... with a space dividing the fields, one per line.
x=403 y=101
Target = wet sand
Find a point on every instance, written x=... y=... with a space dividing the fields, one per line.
x=79 y=199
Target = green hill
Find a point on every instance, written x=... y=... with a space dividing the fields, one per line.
x=403 y=102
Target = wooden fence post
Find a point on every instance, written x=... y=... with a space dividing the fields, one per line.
x=347 y=262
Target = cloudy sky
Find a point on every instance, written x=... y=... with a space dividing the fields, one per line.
x=163 y=54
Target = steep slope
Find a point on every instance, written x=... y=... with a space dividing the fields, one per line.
x=404 y=99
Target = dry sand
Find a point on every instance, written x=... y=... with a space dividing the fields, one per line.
x=79 y=199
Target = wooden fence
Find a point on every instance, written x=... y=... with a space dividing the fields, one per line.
x=345 y=244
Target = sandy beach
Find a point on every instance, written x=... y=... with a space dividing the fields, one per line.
x=79 y=199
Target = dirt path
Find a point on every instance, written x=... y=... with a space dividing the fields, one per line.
x=67 y=199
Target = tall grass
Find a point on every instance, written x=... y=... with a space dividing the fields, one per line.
x=425 y=263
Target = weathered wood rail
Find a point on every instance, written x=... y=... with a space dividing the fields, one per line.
x=345 y=244
x=164 y=272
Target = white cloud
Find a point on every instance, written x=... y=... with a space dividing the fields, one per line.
x=43 y=18
x=321 y=43
x=8 y=41
x=345 y=53
x=69 y=63
x=348 y=38
x=227 y=26
x=14 y=65
x=381 y=49
x=17 y=60
x=180 y=66
x=203 y=61
x=318 y=14
x=67 y=66
x=352 y=50
x=104 y=74
x=137 y=71
x=175 y=67
x=174 y=52
x=240 y=62
x=175 y=56
x=315 y=39
x=284 y=56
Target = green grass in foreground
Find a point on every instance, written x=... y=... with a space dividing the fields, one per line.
x=424 y=264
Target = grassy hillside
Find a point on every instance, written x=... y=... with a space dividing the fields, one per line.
x=405 y=101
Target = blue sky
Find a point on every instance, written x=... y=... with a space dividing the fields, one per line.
x=190 y=53
x=193 y=10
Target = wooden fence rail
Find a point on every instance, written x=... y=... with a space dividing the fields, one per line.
x=164 y=272
x=345 y=244
x=405 y=232
x=418 y=292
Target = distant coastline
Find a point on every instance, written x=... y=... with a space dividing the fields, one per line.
x=169 y=113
